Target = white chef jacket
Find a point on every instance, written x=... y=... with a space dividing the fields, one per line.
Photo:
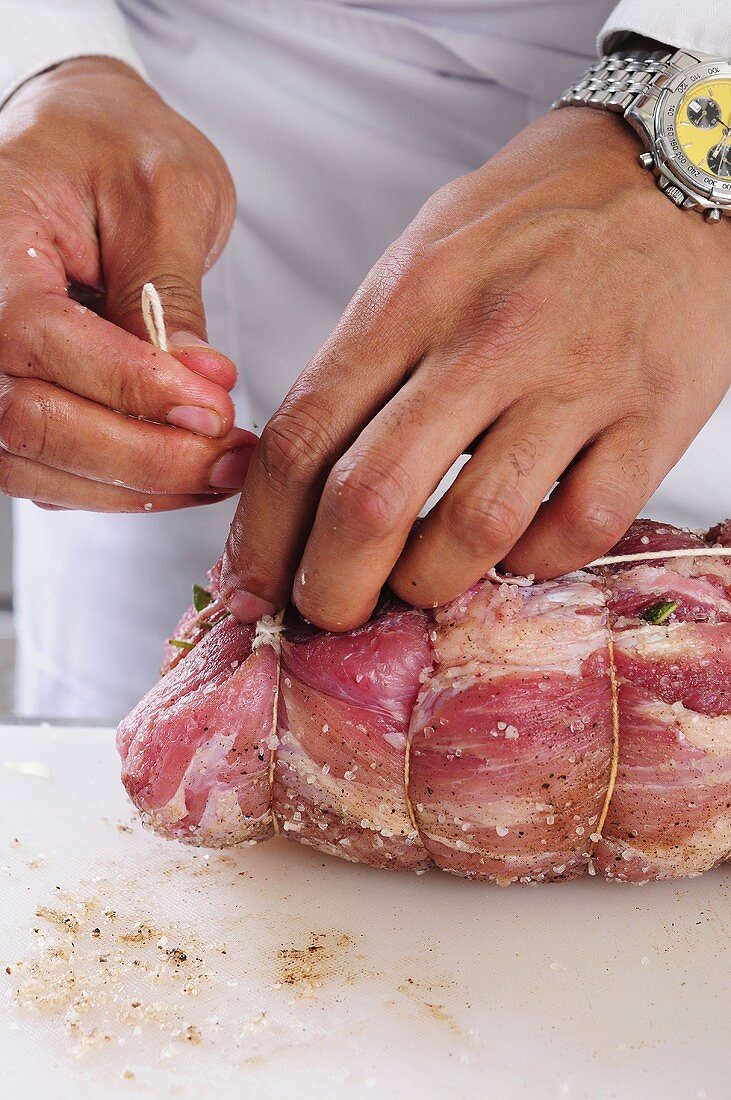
x=337 y=119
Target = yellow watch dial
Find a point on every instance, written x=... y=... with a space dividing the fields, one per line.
x=703 y=126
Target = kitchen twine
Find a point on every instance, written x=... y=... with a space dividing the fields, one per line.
x=154 y=316
x=269 y=629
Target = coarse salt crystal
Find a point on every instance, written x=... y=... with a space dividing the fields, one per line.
x=501 y=830
x=511 y=733
x=550 y=819
x=595 y=837
x=325 y=769
x=326 y=728
x=32 y=253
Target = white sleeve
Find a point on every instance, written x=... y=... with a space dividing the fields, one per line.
x=37 y=34
x=703 y=25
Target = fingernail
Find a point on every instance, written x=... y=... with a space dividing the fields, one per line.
x=187 y=340
x=230 y=471
x=200 y=421
x=248 y=608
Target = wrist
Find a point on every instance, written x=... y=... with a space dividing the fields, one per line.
x=77 y=69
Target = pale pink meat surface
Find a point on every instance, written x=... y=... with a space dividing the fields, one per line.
x=512 y=733
x=344 y=708
x=485 y=738
x=196 y=750
x=670 y=814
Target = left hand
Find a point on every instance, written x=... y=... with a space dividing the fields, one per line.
x=552 y=313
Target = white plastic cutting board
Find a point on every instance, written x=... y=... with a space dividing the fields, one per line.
x=418 y=986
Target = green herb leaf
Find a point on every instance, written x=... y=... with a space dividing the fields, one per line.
x=201 y=597
x=659 y=612
x=180 y=644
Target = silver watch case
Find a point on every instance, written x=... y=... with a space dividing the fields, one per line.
x=653 y=116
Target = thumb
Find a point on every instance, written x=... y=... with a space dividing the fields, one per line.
x=171 y=254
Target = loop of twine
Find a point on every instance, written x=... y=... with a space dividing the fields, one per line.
x=653 y=555
x=269 y=632
x=154 y=316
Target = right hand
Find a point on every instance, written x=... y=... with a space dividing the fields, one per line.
x=103 y=188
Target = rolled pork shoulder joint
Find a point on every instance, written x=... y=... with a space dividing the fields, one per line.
x=526 y=732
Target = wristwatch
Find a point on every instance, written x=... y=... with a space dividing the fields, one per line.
x=680 y=105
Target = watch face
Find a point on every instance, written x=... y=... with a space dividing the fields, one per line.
x=693 y=129
x=703 y=126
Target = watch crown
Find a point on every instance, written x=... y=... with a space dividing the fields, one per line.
x=675 y=194
x=713 y=215
x=647 y=160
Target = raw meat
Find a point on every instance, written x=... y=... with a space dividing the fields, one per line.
x=526 y=732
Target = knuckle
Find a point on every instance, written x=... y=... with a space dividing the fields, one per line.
x=177 y=294
x=11 y=479
x=16 y=343
x=295 y=445
x=403 y=285
x=126 y=391
x=21 y=416
x=486 y=523
x=186 y=172
x=514 y=316
x=594 y=521
x=367 y=498
x=161 y=166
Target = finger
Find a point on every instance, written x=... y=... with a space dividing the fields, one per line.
x=344 y=386
x=375 y=493
x=26 y=480
x=490 y=504
x=594 y=503
x=57 y=340
x=200 y=357
x=40 y=422
x=46 y=334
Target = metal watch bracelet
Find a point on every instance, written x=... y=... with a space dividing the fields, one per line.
x=614 y=81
